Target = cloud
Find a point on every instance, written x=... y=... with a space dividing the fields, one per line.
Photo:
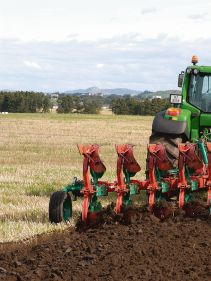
x=124 y=61
x=72 y=36
x=149 y=11
x=32 y=64
x=198 y=17
x=113 y=19
x=100 y=65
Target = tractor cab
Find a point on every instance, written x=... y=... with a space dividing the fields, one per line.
x=199 y=91
x=197 y=80
x=196 y=98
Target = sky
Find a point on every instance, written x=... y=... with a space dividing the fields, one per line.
x=60 y=45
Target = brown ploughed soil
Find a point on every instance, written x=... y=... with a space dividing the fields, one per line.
x=143 y=248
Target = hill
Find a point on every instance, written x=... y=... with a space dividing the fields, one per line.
x=121 y=92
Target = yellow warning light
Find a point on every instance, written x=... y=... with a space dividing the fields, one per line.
x=194 y=59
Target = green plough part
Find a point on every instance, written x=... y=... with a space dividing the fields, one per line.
x=67 y=210
x=95 y=205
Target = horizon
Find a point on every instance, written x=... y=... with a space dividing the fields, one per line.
x=74 y=91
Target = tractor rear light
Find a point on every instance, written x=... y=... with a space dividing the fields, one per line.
x=172 y=111
x=195 y=71
x=188 y=71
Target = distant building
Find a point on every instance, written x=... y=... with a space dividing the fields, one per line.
x=156 y=97
x=96 y=94
x=54 y=96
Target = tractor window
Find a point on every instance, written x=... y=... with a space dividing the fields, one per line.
x=206 y=85
x=200 y=91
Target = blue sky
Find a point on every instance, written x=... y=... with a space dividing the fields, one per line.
x=53 y=45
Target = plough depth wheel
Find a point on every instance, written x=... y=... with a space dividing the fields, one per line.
x=60 y=207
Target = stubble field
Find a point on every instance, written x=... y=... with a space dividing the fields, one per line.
x=38 y=155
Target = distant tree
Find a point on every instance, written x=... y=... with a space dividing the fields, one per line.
x=65 y=104
x=5 y=103
x=46 y=104
x=24 y=102
x=92 y=104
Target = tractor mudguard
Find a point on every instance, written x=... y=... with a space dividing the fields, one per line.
x=167 y=126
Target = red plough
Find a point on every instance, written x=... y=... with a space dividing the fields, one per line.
x=162 y=181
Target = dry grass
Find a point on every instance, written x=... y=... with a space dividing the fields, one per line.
x=38 y=155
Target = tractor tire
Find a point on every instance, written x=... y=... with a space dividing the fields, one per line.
x=60 y=207
x=171 y=144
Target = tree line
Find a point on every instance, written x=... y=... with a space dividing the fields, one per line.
x=135 y=106
x=24 y=102
x=126 y=105
x=39 y=102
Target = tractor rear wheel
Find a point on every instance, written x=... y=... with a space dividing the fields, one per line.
x=60 y=207
x=171 y=144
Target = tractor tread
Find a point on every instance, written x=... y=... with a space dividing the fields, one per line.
x=171 y=144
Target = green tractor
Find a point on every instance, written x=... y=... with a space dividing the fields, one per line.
x=180 y=143
x=190 y=117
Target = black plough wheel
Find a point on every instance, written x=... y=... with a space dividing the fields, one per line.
x=60 y=207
